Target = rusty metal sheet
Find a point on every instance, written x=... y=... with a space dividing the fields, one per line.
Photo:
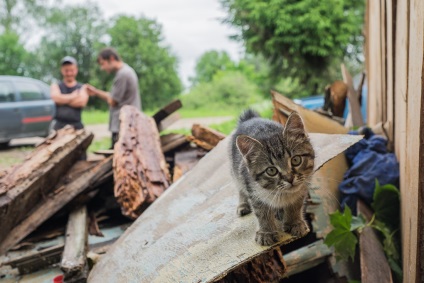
x=192 y=233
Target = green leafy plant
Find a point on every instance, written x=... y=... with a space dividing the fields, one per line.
x=386 y=220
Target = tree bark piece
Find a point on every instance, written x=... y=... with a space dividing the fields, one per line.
x=140 y=171
x=53 y=203
x=74 y=259
x=27 y=184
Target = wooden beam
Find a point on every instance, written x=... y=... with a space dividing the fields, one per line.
x=166 y=111
x=140 y=171
x=27 y=184
x=374 y=265
x=353 y=96
x=172 y=141
x=74 y=258
x=53 y=202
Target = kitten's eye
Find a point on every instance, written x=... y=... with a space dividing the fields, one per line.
x=271 y=171
x=296 y=160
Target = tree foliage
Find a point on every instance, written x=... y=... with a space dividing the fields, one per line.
x=140 y=42
x=209 y=64
x=300 y=38
x=12 y=54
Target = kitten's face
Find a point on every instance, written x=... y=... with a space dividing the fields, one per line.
x=284 y=161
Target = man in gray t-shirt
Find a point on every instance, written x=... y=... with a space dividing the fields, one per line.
x=124 y=89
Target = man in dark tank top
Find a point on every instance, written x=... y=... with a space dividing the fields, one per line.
x=69 y=95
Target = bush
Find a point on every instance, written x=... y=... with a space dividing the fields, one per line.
x=227 y=90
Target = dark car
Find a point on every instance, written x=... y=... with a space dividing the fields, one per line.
x=26 y=109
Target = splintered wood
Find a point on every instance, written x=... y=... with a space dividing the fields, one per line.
x=205 y=137
x=25 y=185
x=140 y=171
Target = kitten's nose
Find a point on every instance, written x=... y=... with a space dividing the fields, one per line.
x=289 y=179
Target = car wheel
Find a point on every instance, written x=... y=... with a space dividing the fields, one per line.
x=4 y=145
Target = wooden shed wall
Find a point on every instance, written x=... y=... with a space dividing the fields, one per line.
x=394 y=55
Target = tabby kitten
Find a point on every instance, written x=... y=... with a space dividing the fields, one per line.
x=272 y=165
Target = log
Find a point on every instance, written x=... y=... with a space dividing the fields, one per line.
x=140 y=171
x=202 y=144
x=166 y=111
x=53 y=203
x=170 y=142
x=374 y=265
x=206 y=134
x=74 y=259
x=27 y=184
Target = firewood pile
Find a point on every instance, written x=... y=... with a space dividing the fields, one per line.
x=57 y=209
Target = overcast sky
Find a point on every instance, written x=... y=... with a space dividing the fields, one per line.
x=190 y=27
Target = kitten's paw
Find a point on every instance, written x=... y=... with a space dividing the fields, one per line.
x=266 y=238
x=296 y=229
x=243 y=209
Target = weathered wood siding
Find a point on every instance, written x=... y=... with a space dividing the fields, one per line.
x=394 y=47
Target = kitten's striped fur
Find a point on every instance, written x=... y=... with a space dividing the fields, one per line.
x=272 y=165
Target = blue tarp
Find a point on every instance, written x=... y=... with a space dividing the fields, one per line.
x=368 y=160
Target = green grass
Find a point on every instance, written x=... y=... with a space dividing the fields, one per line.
x=93 y=117
x=99 y=144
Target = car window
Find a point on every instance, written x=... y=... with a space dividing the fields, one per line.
x=29 y=91
x=6 y=92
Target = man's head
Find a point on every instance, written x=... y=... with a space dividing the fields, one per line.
x=69 y=69
x=109 y=60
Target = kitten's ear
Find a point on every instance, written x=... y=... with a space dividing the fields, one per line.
x=294 y=125
x=248 y=147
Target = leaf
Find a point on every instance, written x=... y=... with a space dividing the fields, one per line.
x=387 y=205
x=342 y=237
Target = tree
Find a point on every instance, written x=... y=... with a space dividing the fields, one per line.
x=69 y=30
x=209 y=64
x=12 y=54
x=302 y=38
x=140 y=42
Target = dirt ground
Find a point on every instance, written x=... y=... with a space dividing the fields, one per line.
x=20 y=148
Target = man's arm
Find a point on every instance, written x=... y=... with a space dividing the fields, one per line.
x=101 y=94
x=81 y=98
x=58 y=97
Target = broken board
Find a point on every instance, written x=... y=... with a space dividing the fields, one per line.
x=192 y=233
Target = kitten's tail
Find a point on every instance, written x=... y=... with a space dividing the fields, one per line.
x=247 y=115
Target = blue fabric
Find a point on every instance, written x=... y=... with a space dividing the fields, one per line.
x=368 y=160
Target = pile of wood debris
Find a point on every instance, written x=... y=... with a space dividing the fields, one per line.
x=56 y=209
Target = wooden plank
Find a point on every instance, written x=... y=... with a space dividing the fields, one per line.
x=412 y=221
x=168 y=121
x=201 y=207
x=374 y=265
x=306 y=257
x=353 y=96
x=314 y=122
x=28 y=183
x=390 y=60
x=374 y=67
x=170 y=142
x=74 y=259
x=140 y=171
x=53 y=202
x=166 y=111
